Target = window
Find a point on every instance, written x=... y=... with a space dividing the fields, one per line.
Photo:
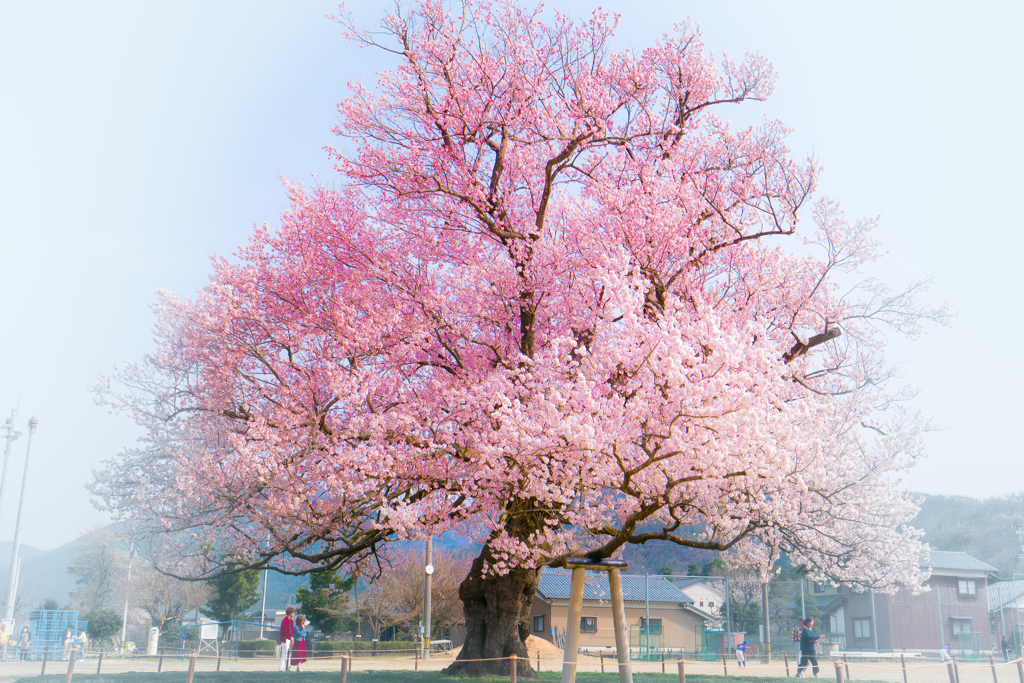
x=861 y=628
x=701 y=603
x=819 y=588
x=538 y=623
x=711 y=605
x=967 y=587
x=961 y=625
x=588 y=624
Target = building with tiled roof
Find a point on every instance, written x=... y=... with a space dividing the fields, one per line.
x=675 y=622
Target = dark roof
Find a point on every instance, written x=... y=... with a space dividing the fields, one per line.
x=556 y=583
x=1003 y=592
x=943 y=559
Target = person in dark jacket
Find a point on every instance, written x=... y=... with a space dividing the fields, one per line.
x=808 y=649
x=1006 y=649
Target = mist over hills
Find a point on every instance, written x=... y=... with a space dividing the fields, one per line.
x=983 y=528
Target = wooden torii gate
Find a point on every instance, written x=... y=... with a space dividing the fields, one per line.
x=579 y=567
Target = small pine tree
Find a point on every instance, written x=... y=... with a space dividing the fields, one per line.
x=325 y=602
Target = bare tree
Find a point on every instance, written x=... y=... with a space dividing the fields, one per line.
x=99 y=568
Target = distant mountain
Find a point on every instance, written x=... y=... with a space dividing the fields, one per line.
x=982 y=528
x=44 y=574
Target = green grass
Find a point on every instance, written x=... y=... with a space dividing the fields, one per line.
x=374 y=677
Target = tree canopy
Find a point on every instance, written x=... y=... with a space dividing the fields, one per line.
x=549 y=305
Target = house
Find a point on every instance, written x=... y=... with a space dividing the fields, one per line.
x=1006 y=610
x=706 y=595
x=955 y=610
x=674 y=622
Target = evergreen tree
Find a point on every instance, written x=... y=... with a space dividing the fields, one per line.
x=233 y=595
x=325 y=602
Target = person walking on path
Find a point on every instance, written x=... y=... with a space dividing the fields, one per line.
x=284 y=637
x=808 y=649
x=5 y=637
x=69 y=638
x=741 y=654
x=1006 y=649
x=83 y=643
x=24 y=642
x=299 y=648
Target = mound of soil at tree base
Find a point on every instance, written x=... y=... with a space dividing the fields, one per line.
x=533 y=645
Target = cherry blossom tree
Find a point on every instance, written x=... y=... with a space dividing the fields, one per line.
x=555 y=303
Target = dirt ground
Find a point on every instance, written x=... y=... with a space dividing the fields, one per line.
x=926 y=671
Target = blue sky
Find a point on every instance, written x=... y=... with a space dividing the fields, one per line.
x=137 y=139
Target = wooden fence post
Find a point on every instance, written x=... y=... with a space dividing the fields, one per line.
x=218 y=660
x=725 y=665
x=71 y=667
x=992 y=663
x=956 y=671
x=602 y=661
x=344 y=669
x=949 y=670
x=513 y=665
x=45 y=652
x=99 y=664
x=903 y=665
x=662 y=662
x=1020 y=670
x=159 y=663
x=538 y=661
x=191 y=666
x=785 y=657
x=416 y=664
x=839 y=671
x=682 y=670
x=846 y=664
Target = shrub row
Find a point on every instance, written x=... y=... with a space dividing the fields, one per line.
x=335 y=647
x=257 y=648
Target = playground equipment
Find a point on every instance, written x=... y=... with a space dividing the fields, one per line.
x=46 y=630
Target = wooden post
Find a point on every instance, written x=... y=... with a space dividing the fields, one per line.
x=538 y=661
x=98 y=664
x=619 y=623
x=191 y=666
x=45 y=652
x=416 y=664
x=71 y=666
x=725 y=665
x=602 y=661
x=839 y=671
x=218 y=660
x=1020 y=670
x=682 y=670
x=903 y=664
x=785 y=657
x=949 y=670
x=662 y=662
x=846 y=664
x=344 y=669
x=513 y=665
x=991 y=662
x=956 y=671
x=159 y=663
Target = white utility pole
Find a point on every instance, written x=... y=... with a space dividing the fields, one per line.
x=263 y=613
x=11 y=435
x=11 y=578
x=428 y=575
x=127 y=594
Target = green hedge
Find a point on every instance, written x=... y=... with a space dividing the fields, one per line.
x=333 y=648
x=257 y=648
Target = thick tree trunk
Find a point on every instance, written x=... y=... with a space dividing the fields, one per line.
x=497 y=611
